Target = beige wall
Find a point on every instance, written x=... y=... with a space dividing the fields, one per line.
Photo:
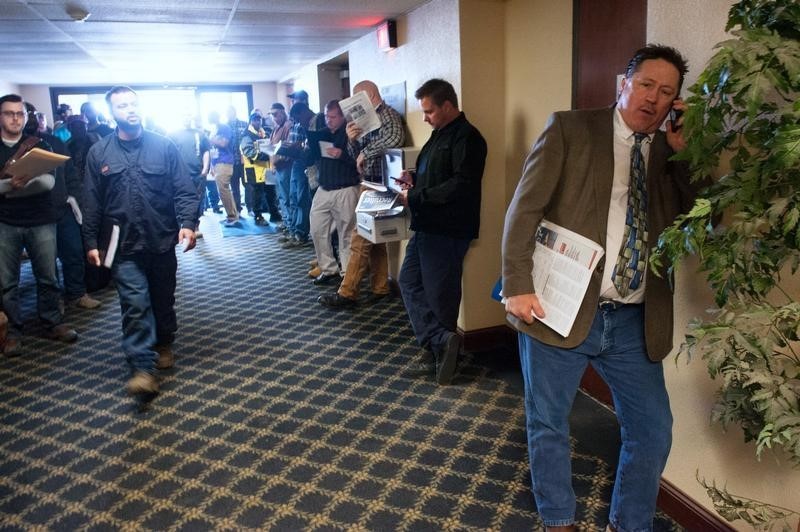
x=538 y=75
x=264 y=95
x=483 y=75
x=698 y=445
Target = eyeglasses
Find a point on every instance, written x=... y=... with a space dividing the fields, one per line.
x=14 y=114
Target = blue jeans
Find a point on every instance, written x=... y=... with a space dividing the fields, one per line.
x=40 y=241
x=430 y=281
x=70 y=253
x=616 y=348
x=146 y=287
x=300 y=202
x=283 y=186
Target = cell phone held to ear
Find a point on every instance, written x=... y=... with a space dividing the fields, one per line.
x=674 y=115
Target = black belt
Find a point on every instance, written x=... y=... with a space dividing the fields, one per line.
x=610 y=304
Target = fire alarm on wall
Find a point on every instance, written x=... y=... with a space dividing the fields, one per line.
x=387 y=36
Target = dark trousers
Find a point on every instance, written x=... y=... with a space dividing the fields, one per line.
x=430 y=282
x=236 y=185
x=213 y=195
x=146 y=287
x=70 y=253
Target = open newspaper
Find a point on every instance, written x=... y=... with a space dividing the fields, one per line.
x=563 y=262
x=357 y=108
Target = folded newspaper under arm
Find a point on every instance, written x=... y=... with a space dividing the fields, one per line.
x=563 y=262
x=35 y=163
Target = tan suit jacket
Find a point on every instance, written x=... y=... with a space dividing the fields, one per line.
x=567 y=179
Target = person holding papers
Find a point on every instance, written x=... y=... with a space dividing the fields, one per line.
x=367 y=149
x=28 y=216
x=606 y=175
x=444 y=197
x=334 y=203
x=137 y=180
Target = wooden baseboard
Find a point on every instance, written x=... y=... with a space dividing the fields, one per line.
x=687 y=512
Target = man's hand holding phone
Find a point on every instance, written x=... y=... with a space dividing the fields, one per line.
x=675 y=125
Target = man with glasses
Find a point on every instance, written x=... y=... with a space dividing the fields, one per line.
x=28 y=216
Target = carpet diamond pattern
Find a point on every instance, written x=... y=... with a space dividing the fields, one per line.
x=279 y=415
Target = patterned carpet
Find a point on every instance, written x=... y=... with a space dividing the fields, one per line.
x=279 y=415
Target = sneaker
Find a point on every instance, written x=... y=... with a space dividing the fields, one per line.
x=61 y=333
x=85 y=301
x=335 y=301
x=261 y=221
x=284 y=238
x=447 y=358
x=314 y=272
x=296 y=243
x=165 y=357
x=142 y=382
x=232 y=223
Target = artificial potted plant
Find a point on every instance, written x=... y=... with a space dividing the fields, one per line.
x=744 y=119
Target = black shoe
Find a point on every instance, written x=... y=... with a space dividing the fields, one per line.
x=326 y=279
x=334 y=300
x=447 y=358
x=261 y=221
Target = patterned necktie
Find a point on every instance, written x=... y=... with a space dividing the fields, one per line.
x=629 y=270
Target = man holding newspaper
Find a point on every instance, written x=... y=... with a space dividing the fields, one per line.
x=575 y=184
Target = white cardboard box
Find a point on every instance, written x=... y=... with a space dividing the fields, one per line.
x=380 y=227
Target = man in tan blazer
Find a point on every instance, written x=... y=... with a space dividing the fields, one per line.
x=577 y=176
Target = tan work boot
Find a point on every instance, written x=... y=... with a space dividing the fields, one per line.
x=85 y=301
x=314 y=272
x=165 y=357
x=142 y=382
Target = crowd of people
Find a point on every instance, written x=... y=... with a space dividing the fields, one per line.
x=605 y=174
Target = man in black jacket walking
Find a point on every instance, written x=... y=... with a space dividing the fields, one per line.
x=137 y=180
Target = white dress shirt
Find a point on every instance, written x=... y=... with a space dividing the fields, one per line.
x=615 y=229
